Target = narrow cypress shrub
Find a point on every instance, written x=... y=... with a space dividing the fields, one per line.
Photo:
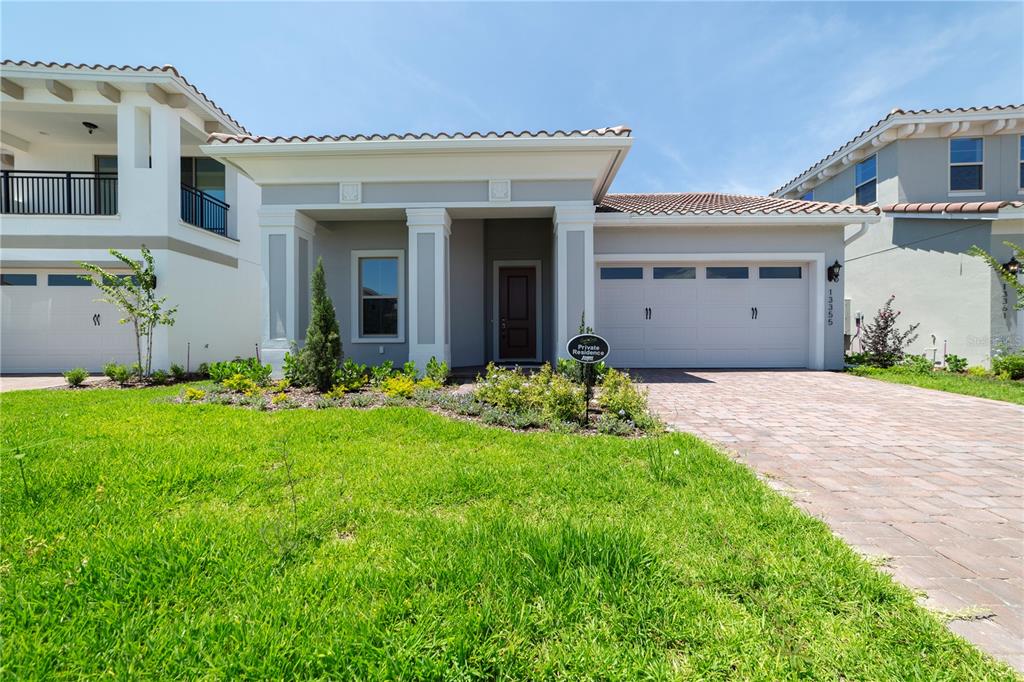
x=322 y=353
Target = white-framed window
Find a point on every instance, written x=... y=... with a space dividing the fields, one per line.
x=865 y=179
x=966 y=161
x=378 y=296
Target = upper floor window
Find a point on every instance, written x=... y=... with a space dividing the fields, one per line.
x=966 y=155
x=205 y=174
x=1021 y=157
x=809 y=196
x=866 y=175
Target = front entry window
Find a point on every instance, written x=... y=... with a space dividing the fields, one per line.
x=378 y=295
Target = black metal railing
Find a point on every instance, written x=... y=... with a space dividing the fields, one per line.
x=204 y=210
x=27 y=192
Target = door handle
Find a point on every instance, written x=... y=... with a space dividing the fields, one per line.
x=751 y=312
x=756 y=313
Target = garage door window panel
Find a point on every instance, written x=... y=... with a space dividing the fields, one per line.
x=728 y=272
x=780 y=272
x=675 y=273
x=66 y=281
x=622 y=273
x=18 y=280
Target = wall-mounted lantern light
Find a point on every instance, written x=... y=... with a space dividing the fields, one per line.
x=833 y=271
x=1012 y=266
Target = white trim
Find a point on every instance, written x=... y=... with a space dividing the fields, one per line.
x=980 y=192
x=815 y=274
x=496 y=301
x=609 y=142
x=356 y=297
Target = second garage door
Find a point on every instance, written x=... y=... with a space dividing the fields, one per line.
x=704 y=314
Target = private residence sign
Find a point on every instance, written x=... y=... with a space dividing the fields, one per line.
x=588 y=349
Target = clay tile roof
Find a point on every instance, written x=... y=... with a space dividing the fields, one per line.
x=616 y=131
x=166 y=68
x=713 y=203
x=952 y=207
x=870 y=130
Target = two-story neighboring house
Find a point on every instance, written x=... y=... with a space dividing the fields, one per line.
x=99 y=157
x=945 y=180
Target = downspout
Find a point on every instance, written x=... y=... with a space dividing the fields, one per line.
x=861 y=231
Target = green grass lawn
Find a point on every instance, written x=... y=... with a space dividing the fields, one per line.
x=161 y=540
x=982 y=387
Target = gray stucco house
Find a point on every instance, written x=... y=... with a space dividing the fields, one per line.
x=945 y=180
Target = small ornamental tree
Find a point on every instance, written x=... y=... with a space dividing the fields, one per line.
x=882 y=341
x=1010 y=278
x=320 y=357
x=135 y=296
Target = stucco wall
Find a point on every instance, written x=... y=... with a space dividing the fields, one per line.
x=936 y=282
x=466 y=292
x=740 y=240
x=335 y=243
x=924 y=170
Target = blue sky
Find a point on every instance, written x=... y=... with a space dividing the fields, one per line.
x=734 y=97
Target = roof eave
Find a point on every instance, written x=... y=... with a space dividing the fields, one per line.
x=725 y=218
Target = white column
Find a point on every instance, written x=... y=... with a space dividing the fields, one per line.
x=429 y=319
x=574 y=271
x=282 y=286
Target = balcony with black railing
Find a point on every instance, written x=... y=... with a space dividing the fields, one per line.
x=29 y=192
x=204 y=210
x=87 y=193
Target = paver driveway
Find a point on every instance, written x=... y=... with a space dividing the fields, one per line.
x=932 y=481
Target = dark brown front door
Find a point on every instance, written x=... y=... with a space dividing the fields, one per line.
x=517 y=313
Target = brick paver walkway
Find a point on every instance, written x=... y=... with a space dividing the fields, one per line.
x=933 y=482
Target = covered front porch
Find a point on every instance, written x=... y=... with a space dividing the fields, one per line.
x=466 y=286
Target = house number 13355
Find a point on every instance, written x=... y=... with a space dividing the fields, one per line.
x=830 y=311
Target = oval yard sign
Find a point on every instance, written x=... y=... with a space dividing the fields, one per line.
x=587 y=348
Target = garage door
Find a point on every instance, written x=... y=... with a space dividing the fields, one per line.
x=704 y=314
x=51 y=323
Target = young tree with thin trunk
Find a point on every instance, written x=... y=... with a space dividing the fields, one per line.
x=135 y=296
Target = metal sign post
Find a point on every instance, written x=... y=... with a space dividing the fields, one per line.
x=588 y=350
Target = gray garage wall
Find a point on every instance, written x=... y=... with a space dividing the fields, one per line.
x=739 y=240
x=466 y=292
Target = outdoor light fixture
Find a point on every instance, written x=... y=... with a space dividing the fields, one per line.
x=833 y=271
x=90 y=126
x=1012 y=266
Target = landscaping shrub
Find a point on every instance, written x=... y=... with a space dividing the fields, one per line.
x=159 y=377
x=620 y=396
x=178 y=372
x=613 y=425
x=203 y=371
x=382 y=372
x=496 y=416
x=281 y=400
x=437 y=371
x=398 y=386
x=191 y=394
x=239 y=383
x=546 y=393
x=506 y=389
x=460 y=403
x=362 y=400
x=1010 y=365
x=574 y=370
x=884 y=344
x=428 y=384
x=977 y=371
x=915 y=364
x=352 y=375
x=75 y=377
x=956 y=363
x=409 y=370
x=322 y=353
x=121 y=374
x=560 y=398
x=249 y=368
x=855 y=359
x=337 y=392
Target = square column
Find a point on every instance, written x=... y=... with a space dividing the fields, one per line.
x=429 y=317
x=286 y=242
x=574 y=272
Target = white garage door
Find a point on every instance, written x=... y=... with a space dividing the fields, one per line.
x=51 y=323
x=704 y=314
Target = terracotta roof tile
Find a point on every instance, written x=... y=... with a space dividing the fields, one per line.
x=166 y=68
x=616 y=131
x=952 y=207
x=713 y=203
x=867 y=132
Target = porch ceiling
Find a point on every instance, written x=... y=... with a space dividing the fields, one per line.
x=60 y=127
